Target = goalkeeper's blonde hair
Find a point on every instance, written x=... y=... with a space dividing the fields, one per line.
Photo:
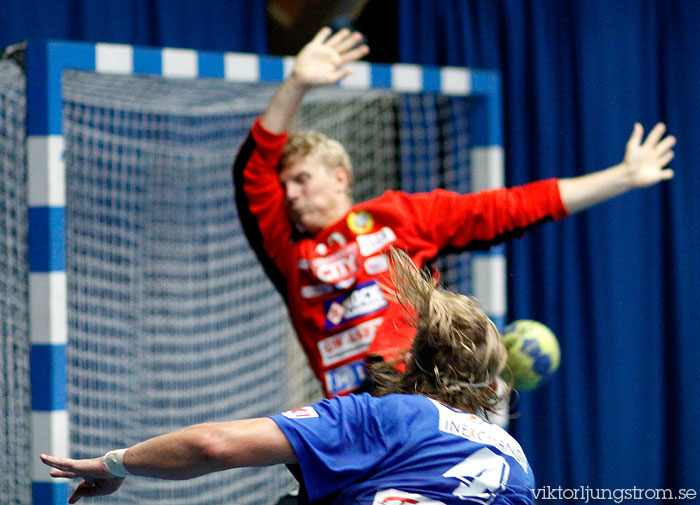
x=329 y=151
x=457 y=352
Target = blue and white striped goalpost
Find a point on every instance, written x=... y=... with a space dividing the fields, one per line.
x=46 y=62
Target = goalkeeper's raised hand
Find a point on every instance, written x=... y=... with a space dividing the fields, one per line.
x=321 y=62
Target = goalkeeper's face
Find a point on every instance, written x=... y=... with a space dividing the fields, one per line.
x=316 y=195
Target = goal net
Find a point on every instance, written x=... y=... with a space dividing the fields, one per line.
x=15 y=400
x=171 y=319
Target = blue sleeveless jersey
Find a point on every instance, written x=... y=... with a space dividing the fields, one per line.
x=404 y=450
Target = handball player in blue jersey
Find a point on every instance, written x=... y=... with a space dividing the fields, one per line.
x=422 y=439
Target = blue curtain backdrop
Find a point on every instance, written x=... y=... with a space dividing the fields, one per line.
x=232 y=25
x=619 y=283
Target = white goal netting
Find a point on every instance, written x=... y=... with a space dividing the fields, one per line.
x=15 y=400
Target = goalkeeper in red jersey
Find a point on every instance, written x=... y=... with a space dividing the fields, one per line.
x=326 y=254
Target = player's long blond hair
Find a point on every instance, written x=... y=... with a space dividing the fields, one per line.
x=457 y=352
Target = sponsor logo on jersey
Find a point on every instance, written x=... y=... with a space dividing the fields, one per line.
x=335 y=313
x=360 y=222
x=302 y=413
x=375 y=242
x=396 y=497
x=477 y=430
x=336 y=267
x=376 y=264
x=336 y=238
x=367 y=298
x=315 y=290
x=321 y=249
x=345 y=284
x=348 y=343
x=345 y=378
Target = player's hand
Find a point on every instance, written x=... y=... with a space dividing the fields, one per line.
x=321 y=61
x=97 y=481
x=645 y=161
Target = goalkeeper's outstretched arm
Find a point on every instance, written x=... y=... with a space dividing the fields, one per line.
x=644 y=165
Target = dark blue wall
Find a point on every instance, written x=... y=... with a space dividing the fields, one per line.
x=233 y=25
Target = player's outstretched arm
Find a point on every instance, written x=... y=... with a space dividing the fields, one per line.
x=644 y=165
x=184 y=454
x=319 y=63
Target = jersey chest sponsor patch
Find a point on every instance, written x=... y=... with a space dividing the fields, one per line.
x=367 y=298
x=376 y=264
x=348 y=343
x=346 y=378
x=360 y=222
x=316 y=290
x=338 y=266
x=375 y=242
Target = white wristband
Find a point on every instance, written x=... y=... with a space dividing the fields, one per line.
x=114 y=463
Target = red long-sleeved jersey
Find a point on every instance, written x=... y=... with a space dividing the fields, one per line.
x=331 y=282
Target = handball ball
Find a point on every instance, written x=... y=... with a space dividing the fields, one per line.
x=533 y=353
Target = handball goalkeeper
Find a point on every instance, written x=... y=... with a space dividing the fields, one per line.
x=326 y=254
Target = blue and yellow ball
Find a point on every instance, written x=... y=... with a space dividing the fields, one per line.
x=533 y=354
